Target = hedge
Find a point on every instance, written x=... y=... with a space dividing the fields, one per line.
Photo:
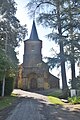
x=9 y=83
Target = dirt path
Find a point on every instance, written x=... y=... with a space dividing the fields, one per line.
x=32 y=106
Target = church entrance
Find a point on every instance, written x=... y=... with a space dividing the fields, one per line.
x=33 y=84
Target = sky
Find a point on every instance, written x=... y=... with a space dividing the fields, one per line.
x=22 y=15
x=24 y=19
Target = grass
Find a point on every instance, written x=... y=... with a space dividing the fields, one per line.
x=55 y=100
x=55 y=93
x=6 y=101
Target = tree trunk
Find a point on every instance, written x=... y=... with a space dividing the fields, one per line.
x=71 y=31
x=63 y=71
x=3 y=85
x=73 y=73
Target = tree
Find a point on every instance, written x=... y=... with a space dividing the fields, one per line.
x=4 y=65
x=11 y=33
x=52 y=18
x=72 y=42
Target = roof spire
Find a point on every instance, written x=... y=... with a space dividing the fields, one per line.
x=34 y=35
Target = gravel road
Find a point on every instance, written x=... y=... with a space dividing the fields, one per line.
x=33 y=106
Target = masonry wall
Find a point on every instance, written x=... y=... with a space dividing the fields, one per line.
x=35 y=73
x=32 y=55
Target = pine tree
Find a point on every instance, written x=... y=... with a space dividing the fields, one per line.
x=72 y=11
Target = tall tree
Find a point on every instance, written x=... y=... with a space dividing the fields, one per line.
x=11 y=33
x=50 y=12
x=72 y=11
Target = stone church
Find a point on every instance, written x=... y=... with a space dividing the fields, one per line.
x=35 y=73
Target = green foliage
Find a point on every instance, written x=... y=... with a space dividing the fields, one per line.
x=72 y=42
x=75 y=82
x=74 y=100
x=11 y=33
x=4 y=60
x=7 y=66
x=10 y=27
x=9 y=85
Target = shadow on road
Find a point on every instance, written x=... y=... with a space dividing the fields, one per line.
x=30 y=108
x=57 y=112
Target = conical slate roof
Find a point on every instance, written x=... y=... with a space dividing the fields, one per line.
x=34 y=35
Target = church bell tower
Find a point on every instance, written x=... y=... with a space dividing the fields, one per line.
x=32 y=49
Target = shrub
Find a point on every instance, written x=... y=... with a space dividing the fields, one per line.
x=74 y=100
x=9 y=83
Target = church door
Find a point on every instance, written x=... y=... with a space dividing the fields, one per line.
x=33 y=83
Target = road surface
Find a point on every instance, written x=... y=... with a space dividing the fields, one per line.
x=33 y=106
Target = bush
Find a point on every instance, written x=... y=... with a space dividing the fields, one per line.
x=9 y=83
x=74 y=100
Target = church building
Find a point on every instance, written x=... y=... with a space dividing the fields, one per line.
x=35 y=73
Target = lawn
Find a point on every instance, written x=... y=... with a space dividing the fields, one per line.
x=55 y=100
x=6 y=101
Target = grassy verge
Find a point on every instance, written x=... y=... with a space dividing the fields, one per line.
x=55 y=93
x=6 y=101
x=55 y=100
